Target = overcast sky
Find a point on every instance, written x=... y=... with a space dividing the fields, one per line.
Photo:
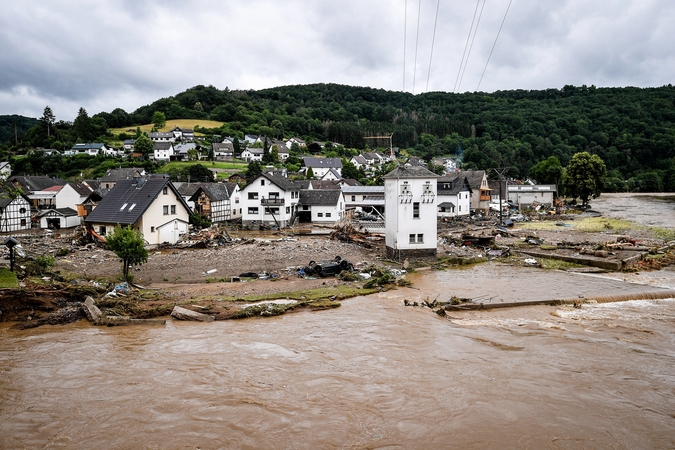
x=106 y=54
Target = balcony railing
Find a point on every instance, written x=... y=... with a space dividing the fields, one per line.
x=272 y=201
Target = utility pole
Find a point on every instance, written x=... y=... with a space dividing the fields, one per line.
x=500 y=174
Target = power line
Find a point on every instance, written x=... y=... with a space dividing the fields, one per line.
x=468 y=55
x=433 y=39
x=419 y=13
x=468 y=37
x=493 y=45
x=405 y=31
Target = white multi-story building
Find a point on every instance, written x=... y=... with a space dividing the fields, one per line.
x=410 y=213
x=269 y=200
x=453 y=196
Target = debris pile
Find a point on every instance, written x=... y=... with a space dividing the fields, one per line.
x=346 y=232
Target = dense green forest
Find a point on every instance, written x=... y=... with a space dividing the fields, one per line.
x=631 y=129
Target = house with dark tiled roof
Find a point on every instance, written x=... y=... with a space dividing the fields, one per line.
x=163 y=151
x=162 y=137
x=321 y=206
x=270 y=200
x=14 y=212
x=218 y=201
x=152 y=206
x=332 y=174
x=35 y=183
x=295 y=140
x=320 y=166
x=454 y=195
x=112 y=176
x=480 y=197
x=252 y=154
x=91 y=202
x=223 y=151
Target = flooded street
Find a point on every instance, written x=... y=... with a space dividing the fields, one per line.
x=370 y=374
x=647 y=209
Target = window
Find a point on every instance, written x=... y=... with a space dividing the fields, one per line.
x=239 y=210
x=253 y=210
x=253 y=196
x=123 y=206
x=416 y=210
x=288 y=210
x=23 y=222
x=236 y=200
x=165 y=210
x=152 y=229
x=262 y=182
x=133 y=205
x=319 y=214
x=460 y=208
x=165 y=191
x=412 y=238
x=328 y=214
x=173 y=209
x=420 y=238
x=353 y=198
x=271 y=210
x=22 y=210
x=101 y=230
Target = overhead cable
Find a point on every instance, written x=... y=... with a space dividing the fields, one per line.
x=433 y=39
x=468 y=55
x=493 y=45
x=468 y=37
x=419 y=11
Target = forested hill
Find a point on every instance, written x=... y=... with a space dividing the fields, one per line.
x=631 y=129
x=11 y=127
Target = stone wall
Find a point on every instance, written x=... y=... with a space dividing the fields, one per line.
x=411 y=255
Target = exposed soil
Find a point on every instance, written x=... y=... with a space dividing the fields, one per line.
x=200 y=278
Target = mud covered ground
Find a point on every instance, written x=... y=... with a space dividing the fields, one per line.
x=200 y=278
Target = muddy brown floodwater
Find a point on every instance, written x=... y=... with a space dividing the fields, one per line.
x=370 y=374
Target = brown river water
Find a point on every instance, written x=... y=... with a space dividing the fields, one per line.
x=370 y=374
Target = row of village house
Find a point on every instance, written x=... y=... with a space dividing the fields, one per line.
x=160 y=209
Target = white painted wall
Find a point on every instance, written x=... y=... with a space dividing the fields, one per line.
x=400 y=223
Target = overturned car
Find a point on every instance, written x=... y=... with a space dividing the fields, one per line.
x=327 y=268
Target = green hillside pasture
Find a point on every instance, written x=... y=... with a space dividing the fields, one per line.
x=228 y=167
x=171 y=124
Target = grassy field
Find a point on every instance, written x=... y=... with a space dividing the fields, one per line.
x=171 y=124
x=8 y=278
x=599 y=225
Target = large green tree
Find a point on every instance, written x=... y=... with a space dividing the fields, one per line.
x=585 y=176
x=144 y=145
x=159 y=119
x=548 y=171
x=48 y=119
x=129 y=245
x=82 y=125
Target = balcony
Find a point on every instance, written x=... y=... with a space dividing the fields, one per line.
x=272 y=201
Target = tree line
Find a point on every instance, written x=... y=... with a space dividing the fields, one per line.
x=631 y=129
